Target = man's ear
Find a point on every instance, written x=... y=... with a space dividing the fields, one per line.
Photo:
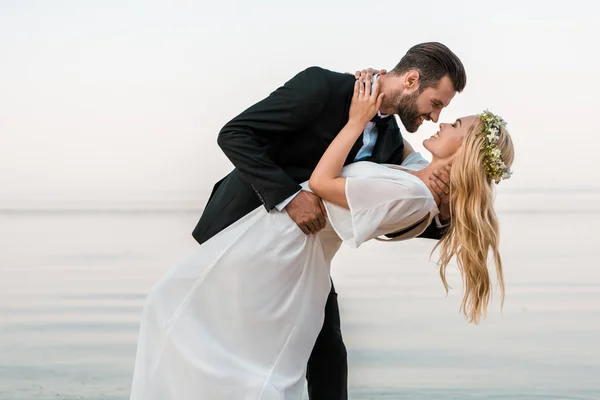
x=412 y=80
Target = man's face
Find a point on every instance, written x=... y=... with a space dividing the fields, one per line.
x=413 y=107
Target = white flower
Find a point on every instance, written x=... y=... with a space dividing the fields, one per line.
x=492 y=138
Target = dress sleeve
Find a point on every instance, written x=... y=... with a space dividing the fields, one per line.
x=415 y=160
x=379 y=206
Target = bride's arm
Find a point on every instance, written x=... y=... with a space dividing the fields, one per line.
x=325 y=180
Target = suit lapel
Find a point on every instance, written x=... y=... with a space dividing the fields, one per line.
x=354 y=151
x=389 y=139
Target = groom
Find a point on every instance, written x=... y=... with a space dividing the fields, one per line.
x=275 y=144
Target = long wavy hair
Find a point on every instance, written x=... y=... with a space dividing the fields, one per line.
x=474 y=230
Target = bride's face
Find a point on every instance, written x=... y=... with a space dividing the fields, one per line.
x=447 y=141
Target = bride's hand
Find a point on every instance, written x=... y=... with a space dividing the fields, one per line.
x=365 y=103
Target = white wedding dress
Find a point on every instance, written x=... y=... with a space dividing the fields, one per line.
x=238 y=319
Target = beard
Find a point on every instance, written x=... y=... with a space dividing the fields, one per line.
x=408 y=111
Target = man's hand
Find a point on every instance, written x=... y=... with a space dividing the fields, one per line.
x=368 y=72
x=307 y=211
x=440 y=183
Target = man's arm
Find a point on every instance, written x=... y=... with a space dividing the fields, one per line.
x=287 y=111
x=441 y=184
x=433 y=232
x=441 y=222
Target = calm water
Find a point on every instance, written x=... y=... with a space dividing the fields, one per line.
x=72 y=286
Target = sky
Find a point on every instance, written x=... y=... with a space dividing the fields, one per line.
x=121 y=101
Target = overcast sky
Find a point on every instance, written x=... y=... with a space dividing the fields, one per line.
x=121 y=100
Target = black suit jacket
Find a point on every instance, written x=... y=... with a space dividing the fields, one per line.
x=275 y=145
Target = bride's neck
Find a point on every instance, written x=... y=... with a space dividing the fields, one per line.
x=427 y=173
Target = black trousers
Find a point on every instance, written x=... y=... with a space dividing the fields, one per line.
x=327 y=372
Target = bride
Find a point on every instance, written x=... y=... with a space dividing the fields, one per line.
x=239 y=317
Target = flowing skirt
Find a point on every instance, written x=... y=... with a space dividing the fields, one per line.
x=237 y=319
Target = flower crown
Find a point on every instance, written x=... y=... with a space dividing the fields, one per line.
x=495 y=168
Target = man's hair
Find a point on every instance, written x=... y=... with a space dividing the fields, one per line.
x=433 y=61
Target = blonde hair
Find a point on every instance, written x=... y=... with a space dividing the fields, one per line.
x=474 y=229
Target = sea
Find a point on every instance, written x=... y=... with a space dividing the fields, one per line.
x=73 y=281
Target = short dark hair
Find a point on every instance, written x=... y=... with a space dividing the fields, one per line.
x=433 y=60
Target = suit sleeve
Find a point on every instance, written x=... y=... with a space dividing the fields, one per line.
x=288 y=111
x=433 y=232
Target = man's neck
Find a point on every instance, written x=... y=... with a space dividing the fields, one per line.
x=386 y=84
x=376 y=77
